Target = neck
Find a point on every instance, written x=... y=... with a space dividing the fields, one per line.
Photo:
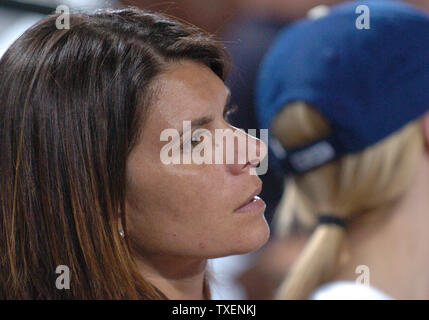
x=393 y=244
x=176 y=277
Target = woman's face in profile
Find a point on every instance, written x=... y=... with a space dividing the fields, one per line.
x=188 y=209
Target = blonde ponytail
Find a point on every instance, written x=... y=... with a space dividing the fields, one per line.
x=315 y=263
x=360 y=183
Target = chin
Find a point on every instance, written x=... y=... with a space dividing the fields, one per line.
x=254 y=239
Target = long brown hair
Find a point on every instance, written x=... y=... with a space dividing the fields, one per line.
x=72 y=102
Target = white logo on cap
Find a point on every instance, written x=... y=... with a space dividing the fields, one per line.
x=314 y=156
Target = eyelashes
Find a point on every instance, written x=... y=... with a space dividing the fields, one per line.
x=230 y=110
x=194 y=142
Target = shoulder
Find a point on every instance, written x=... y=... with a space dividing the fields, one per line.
x=347 y=290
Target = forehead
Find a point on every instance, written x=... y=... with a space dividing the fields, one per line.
x=188 y=90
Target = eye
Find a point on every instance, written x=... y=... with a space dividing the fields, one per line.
x=195 y=140
x=231 y=109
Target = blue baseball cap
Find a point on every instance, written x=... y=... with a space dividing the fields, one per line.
x=367 y=83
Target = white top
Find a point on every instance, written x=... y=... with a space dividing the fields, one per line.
x=348 y=290
x=13 y=23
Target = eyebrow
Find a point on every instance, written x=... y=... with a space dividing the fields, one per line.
x=199 y=122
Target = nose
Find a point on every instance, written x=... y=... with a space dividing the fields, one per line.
x=248 y=157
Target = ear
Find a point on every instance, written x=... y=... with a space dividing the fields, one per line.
x=426 y=130
x=280 y=124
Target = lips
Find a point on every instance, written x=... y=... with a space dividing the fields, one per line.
x=251 y=198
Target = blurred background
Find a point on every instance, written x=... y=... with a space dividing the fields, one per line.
x=247 y=28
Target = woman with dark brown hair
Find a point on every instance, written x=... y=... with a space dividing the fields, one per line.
x=83 y=185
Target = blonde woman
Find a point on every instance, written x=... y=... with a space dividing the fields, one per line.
x=348 y=106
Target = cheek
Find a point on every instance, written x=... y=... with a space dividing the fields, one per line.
x=170 y=199
x=176 y=189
